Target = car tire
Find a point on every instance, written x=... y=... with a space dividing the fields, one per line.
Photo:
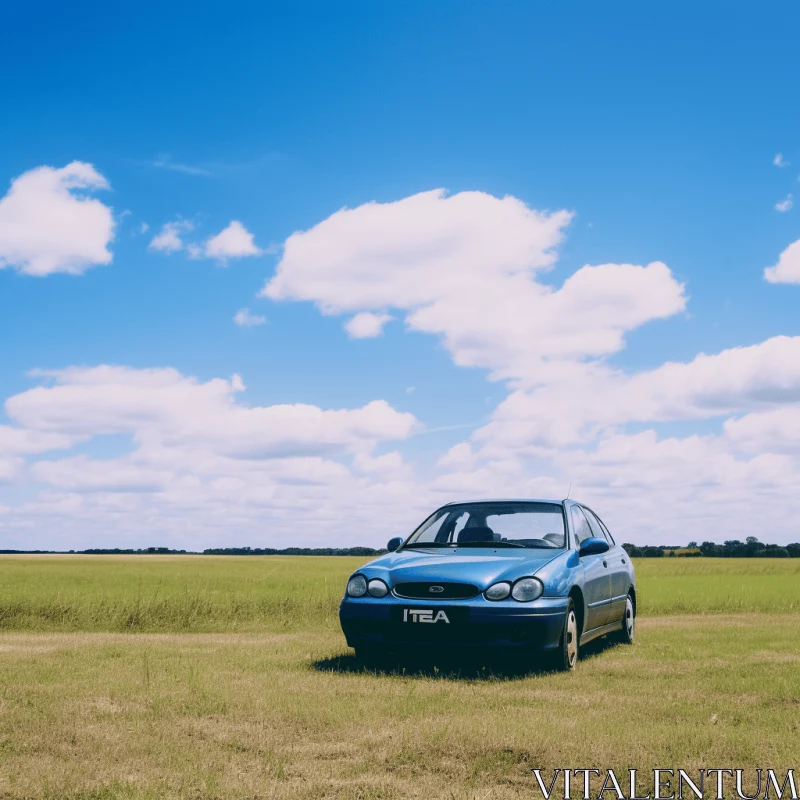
x=567 y=653
x=625 y=636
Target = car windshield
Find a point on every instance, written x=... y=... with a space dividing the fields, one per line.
x=521 y=524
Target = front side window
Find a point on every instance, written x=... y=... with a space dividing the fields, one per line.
x=597 y=530
x=501 y=524
x=598 y=524
x=580 y=525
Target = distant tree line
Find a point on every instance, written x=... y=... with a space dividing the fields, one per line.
x=750 y=548
x=292 y=551
x=733 y=548
x=214 y=551
x=102 y=551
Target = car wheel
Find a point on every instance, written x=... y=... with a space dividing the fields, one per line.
x=567 y=654
x=628 y=623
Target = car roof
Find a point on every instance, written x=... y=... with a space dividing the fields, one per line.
x=510 y=500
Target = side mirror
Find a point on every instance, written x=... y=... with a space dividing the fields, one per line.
x=593 y=547
x=395 y=543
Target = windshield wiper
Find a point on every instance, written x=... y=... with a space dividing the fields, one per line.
x=542 y=546
x=490 y=544
x=425 y=545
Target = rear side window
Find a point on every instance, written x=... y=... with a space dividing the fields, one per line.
x=580 y=525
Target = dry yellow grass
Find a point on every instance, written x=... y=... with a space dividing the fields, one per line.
x=252 y=715
x=150 y=677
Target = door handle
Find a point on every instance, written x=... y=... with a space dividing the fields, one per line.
x=605 y=563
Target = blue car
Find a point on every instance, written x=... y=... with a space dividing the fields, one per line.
x=523 y=575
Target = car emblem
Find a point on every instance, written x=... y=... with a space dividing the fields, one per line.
x=436 y=589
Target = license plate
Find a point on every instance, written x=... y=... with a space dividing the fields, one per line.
x=429 y=617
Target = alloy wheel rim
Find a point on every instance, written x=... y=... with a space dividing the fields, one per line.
x=629 y=618
x=572 y=639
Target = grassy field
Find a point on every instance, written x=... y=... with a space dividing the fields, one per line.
x=218 y=594
x=237 y=683
x=172 y=593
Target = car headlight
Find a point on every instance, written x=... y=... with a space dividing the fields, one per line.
x=377 y=588
x=527 y=589
x=498 y=591
x=357 y=586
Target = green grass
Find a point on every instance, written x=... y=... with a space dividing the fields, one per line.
x=171 y=593
x=285 y=593
x=243 y=686
x=718 y=585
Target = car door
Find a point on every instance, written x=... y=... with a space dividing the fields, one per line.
x=617 y=560
x=596 y=576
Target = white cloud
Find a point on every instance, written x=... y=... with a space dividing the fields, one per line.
x=779 y=161
x=652 y=489
x=245 y=319
x=201 y=462
x=162 y=407
x=366 y=325
x=787 y=270
x=785 y=205
x=458 y=458
x=235 y=241
x=695 y=487
x=48 y=223
x=169 y=238
x=773 y=430
x=232 y=242
x=19 y=441
x=685 y=465
x=86 y=474
x=575 y=430
x=469 y=269
x=417 y=247
x=386 y=464
x=9 y=470
x=582 y=404
x=466 y=267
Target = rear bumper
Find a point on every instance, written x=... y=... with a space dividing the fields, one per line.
x=506 y=624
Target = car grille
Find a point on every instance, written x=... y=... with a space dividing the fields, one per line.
x=449 y=591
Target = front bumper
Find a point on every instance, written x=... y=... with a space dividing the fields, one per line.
x=368 y=620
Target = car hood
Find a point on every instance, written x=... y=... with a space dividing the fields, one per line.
x=460 y=565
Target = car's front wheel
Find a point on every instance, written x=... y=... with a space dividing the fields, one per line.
x=567 y=653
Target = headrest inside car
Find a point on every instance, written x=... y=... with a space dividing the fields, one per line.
x=477 y=534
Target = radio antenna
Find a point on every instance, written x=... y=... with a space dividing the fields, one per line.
x=568 y=490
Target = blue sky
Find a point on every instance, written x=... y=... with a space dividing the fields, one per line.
x=657 y=128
